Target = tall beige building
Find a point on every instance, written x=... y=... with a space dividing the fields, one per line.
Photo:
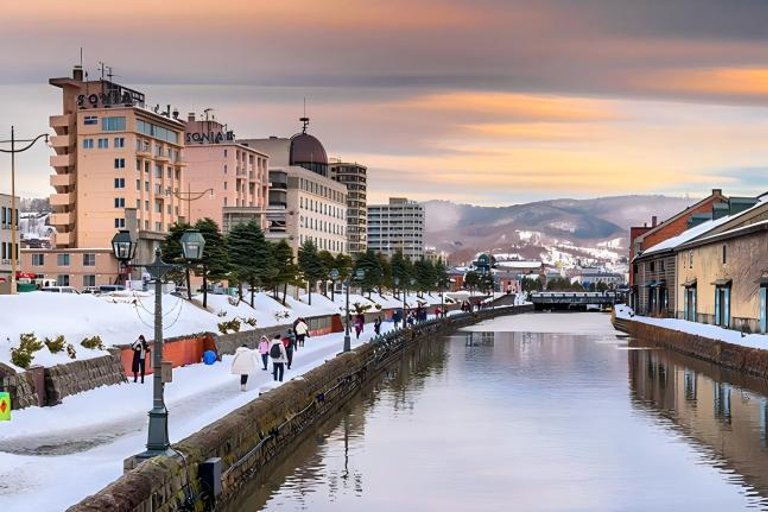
x=304 y=202
x=397 y=226
x=118 y=165
x=355 y=177
x=7 y=218
x=226 y=181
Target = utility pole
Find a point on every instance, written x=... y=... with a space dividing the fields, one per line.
x=14 y=212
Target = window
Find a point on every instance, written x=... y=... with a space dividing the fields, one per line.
x=690 y=258
x=103 y=143
x=225 y=166
x=138 y=204
x=119 y=182
x=90 y=120
x=146 y=186
x=119 y=223
x=62 y=280
x=38 y=260
x=156 y=131
x=113 y=124
x=119 y=163
x=725 y=254
x=225 y=156
x=158 y=207
x=89 y=280
x=119 y=142
x=158 y=226
x=225 y=185
x=225 y=201
x=62 y=260
x=89 y=259
x=119 y=202
x=146 y=205
x=138 y=184
x=87 y=143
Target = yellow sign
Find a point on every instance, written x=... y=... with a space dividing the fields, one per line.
x=5 y=406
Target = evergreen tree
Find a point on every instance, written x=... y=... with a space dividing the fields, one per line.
x=373 y=275
x=424 y=272
x=386 y=273
x=214 y=266
x=172 y=253
x=471 y=280
x=344 y=265
x=402 y=269
x=442 y=279
x=310 y=265
x=251 y=256
x=328 y=263
x=286 y=269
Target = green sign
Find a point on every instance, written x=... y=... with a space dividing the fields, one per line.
x=5 y=406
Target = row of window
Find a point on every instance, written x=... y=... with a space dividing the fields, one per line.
x=157 y=131
x=103 y=143
x=108 y=124
x=321 y=207
x=6 y=251
x=324 y=244
x=321 y=190
x=6 y=216
x=63 y=259
x=63 y=280
x=321 y=225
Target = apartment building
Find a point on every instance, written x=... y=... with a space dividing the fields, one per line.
x=118 y=165
x=226 y=181
x=7 y=247
x=304 y=202
x=354 y=176
x=397 y=225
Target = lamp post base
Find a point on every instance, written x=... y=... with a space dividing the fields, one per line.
x=347 y=343
x=157 y=438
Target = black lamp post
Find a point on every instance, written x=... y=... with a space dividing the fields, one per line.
x=124 y=248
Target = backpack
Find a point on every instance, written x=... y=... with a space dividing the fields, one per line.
x=275 y=351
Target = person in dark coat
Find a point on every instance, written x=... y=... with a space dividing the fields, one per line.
x=377 y=325
x=140 y=352
x=290 y=345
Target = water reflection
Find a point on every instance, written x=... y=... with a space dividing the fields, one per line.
x=534 y=422
x=723 y=412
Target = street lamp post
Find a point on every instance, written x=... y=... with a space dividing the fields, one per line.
x=14 y=215
x=192 y=244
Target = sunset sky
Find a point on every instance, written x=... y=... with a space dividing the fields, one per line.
x=487 y=102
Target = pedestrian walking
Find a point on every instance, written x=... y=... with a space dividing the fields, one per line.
x=359 y=324
x=290 y=346
x=264 y=351
x=243 y=364
x=140 y=352
x=302 y=331
x=279 y=357
x=377 y=325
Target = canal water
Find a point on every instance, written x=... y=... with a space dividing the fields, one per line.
x=500 y=420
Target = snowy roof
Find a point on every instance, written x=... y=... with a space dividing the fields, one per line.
x=685 y=236
x=519 y=264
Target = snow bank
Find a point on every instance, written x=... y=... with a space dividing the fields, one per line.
x=549 y=323
x=714 y=332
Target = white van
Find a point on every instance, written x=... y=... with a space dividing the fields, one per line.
x=59 y=289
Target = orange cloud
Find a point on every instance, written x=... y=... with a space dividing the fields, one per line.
x=537 y=132
x=513 y=105
x=718 y=81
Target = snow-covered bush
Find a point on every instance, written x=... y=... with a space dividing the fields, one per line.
x=93 y=342
x=231 y=325
x=282 y=315
x=71 y=351
x=21 y=358
x=221 y=314
x=250 y=321
x=56 y=345
x=23 y=355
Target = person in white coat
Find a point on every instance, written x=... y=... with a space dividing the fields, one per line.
x=243 y=364
x=302 y=331
x=279 y=357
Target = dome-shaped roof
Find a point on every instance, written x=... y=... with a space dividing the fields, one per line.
x=306 y=149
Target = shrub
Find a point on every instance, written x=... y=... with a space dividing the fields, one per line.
x=221 y=314
x=71 y=351
x=29 y=342
x=250 y=321
x=56 y=345
x=93 y=343
x=21 y=358
x=232 y=325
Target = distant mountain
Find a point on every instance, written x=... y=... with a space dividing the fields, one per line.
x=532 y=228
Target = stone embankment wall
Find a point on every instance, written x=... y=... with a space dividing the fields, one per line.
x=250 y=437
x=751 y=361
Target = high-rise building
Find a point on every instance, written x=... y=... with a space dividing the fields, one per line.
x=304 y=202
x=396 y=226
x=118 y=165
x=354 y=176
x=7 y=218
x=226 y=181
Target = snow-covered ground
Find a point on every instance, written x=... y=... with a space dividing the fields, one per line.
x=705 y=330
x=550 y=323
x=51 y=458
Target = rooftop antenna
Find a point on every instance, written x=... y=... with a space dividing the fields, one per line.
x=206 y=112
x=102 y=69
x=109 y=73
x=304 y=120
x=81 y=57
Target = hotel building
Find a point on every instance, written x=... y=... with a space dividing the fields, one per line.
x=397 y=225
x=226 y=181
x=354 y=176
x=6 y=242
x=304 y=202
x=118 y=165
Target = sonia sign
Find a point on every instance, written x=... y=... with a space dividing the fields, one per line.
x=210 y=137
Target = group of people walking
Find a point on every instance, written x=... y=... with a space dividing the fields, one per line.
x=279 y=350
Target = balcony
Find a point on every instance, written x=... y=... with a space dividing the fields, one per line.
x=61 y=141
x=65 y=239
x=61 y=122
x=62 y=199
x=62 y=160
x=63 y=180
x=62 y=219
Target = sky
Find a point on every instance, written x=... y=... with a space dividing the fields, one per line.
x=487 y=102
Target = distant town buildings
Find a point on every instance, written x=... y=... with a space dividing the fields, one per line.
x=304 y=202
x=355 y=177
x=433 y=255
x=7 y=218
x=226 y=181
x=397 y=226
